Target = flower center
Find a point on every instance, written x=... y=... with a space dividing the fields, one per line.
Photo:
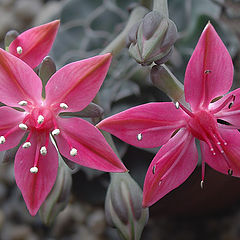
x=40 y=119
x=203 y=125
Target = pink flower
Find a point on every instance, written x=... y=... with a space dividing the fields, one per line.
x=69 y=90
x=34 y=44
x=209 y=74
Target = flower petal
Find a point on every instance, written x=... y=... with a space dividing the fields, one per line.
x=172 y=165
x=35 y=43
x=18 y=81
x=209 y=73
x=155 y=122
x=77 y=83
x=231 y=157
x=35 y=186
x=9 y=121
x=93 y=150
x=230 y=113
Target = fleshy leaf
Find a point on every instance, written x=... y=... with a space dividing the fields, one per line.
x=35 y=186
x=172 y=165
x=92 y=149
x=148 y=125
x=9 y=121
x=18 y=82
x=35 y=43
x=76 y=84
x=209 y=73
x=231 y=153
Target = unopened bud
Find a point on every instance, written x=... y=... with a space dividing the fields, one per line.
x=59 y=195
x=152 y=40
x=46 y=70
x=9 y=37
x=123 y=206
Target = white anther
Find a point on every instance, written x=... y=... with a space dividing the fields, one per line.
x=2 y=140
x=212 y=149
x=63 y=106
x=73 y=152
x=40 y=119
x=43 y=150
x=225 y=143
x=23 y=103
x=201 y=184
x=55 y=132
x=214 y=153
x=19 y=50
x=23 y=126
x=26 y=145
x=33 y=170
x=222 y=151
x=139 y=137
x=218 y=143
x=177 y=105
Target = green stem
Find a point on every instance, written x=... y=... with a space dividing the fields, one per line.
x=120 y=41
x=161 y=6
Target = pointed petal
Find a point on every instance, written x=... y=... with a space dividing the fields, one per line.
x=9 y=121
x=35 y=43
x=209 y=73
x=172 y=165
x=230 y=113
x=35 y=186
x=156 y=122
x=231 y=153
x=77 y=83
x=18 y=81
x=93 y=150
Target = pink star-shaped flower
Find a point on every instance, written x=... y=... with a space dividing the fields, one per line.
x=34 y=44
x=69 y=90
x=209 y=74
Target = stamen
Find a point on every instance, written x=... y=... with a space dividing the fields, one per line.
x=34 y=170
x=177 y=105
x=230 y=172
x=55 y=132
x=159 y=183
x=202 y=184
x=73 y=152
x=154 y=169
x=40 y=119
x=23 y=103
x=139 y=137
x=26 y=145
x=43 y=150
x=19 y=50
x=231 y=103
x=207 y=71
x=185 y=110
x=63 y=106
x=2 y=140
x=23 y=126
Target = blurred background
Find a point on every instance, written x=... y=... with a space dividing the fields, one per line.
x=188 y=212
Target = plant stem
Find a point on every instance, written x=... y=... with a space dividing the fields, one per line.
x=119 y=42
x=161 y=6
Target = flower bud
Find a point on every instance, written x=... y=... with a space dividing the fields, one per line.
x=123 y=206
x=9 y=37
x=152 y=39
x=46 y=70
x=58 y=198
